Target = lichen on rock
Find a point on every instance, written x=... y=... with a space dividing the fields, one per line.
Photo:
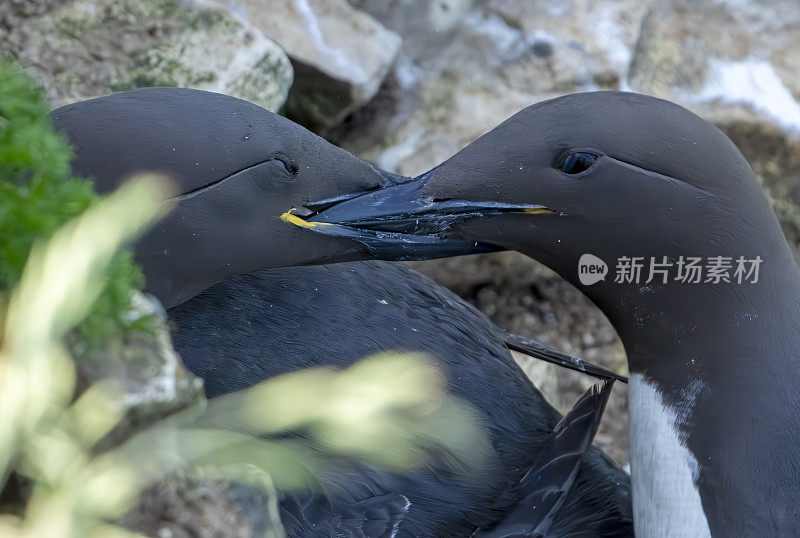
x=147 y=373
x=79 y=50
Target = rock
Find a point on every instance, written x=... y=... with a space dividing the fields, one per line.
x=395 y=101
x=340 y=55
x=145 y=370
x=426 y=27
x=13 y=12
x=731 y=51
x=575 y=44
x=195 y=505
x=82 y=49
x=151 y=382
x=454 y=110
x=501 y=56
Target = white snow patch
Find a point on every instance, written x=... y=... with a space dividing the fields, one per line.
x=666 y=502
x=539 y=35
x=755 y=83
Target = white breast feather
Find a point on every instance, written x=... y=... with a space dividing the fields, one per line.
x=666 y=502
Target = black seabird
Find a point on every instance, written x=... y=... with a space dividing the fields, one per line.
x=250 y=325
x=253 y=327
x=238 y=169
x=625 y=181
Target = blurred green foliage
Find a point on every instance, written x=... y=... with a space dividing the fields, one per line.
x=38 y=194
x=389 y=410
x=44 y=435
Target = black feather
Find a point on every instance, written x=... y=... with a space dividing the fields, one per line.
x=552 y=476
x=312 y=515
x=260 y=325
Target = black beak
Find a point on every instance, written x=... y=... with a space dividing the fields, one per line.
x=400 y=222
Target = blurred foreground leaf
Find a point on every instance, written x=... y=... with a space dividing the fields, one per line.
x=60 y=282
x=390 y=411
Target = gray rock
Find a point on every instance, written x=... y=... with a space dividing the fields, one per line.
x=198 y=504
x=79 y=50
x=729 y=51
x=340 y=55
x=426 y=27
x=454 y=110
x=575 y=44
x=500 y=56
x=143 y=367
x=13 y=12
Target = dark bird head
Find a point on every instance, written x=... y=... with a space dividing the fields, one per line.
x=600 y=179
x=608 y=174
x=238 y=170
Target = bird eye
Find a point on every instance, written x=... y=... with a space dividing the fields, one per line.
x=575 y=163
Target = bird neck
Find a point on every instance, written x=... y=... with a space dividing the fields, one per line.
x=713 y=405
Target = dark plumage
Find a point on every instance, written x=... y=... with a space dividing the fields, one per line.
x=238 y=170
x=312 y=515
x=631 y=179
x=257 y=326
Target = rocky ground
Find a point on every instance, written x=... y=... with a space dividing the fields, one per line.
x=407 y=83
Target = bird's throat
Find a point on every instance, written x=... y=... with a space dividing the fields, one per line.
x=713 y=407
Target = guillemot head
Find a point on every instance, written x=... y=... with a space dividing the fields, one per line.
x=238 y=168
x=656 y=216
x=590 y=184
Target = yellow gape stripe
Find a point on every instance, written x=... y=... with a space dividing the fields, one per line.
x=297 y=221
x=537 y=210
